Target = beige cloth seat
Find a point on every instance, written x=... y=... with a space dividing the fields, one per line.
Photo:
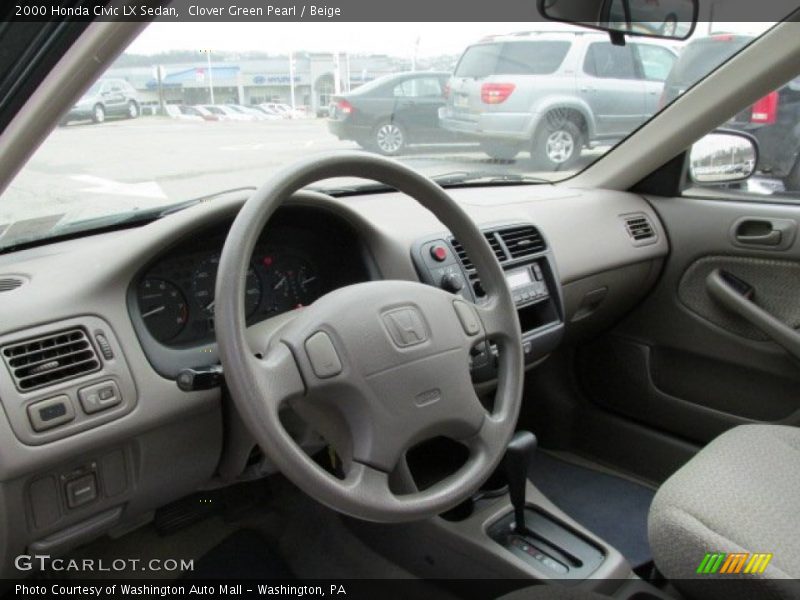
x=740 y=494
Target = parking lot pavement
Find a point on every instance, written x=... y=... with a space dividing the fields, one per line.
x=87 y=170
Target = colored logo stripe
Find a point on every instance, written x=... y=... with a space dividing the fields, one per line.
x=758 y=563
x=711 y=563
x=733 y=564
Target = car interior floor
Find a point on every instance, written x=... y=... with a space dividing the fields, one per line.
x=262 y=529
x=612 y=505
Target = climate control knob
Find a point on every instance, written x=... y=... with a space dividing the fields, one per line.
x=452 y=282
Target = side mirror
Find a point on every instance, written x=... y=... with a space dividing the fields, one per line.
x=668 y=19
x=723 y=157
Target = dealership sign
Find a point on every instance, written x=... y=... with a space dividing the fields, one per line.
x=278 y=79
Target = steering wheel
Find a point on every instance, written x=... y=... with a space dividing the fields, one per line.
x=375 y=367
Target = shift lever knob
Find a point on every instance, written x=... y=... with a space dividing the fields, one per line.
x=517 y=461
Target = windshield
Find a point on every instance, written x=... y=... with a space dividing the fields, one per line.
x=192 y=109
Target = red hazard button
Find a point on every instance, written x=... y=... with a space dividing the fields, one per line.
x=439 y=253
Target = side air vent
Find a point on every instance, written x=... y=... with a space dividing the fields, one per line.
x=462 y=254
x=9 y=284
x=640 y=229
x=45 y=360
x=522 y=241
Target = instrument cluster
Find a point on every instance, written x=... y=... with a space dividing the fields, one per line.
x=289 y=269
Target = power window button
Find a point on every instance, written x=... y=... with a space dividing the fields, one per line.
x=80 y=491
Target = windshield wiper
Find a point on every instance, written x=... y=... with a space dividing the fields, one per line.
x=455 y=178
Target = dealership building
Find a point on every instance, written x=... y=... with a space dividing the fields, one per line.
x=316 y=77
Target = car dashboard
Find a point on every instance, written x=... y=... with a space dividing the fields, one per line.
x=126 y=311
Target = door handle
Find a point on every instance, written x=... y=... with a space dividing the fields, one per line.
x=765 y=233
x=737 y=296
x=772 y=238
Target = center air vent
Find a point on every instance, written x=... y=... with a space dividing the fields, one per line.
x=522 y=241
x=45 y=360
x=462 y=254
x=640 y=229
x=508 y=244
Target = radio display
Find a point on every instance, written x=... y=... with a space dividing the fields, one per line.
x=519 y=278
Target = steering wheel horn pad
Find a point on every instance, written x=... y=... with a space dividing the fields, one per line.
x=374 y=367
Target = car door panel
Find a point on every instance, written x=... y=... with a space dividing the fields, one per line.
x=684 y=363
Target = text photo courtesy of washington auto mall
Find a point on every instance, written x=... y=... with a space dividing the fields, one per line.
x=400 y=299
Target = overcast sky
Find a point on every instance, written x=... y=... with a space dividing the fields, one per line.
x=397 y=39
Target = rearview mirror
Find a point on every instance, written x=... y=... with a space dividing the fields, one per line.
x=723 y=157
x=669 y=19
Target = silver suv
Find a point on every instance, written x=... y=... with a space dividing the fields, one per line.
x=553 y=93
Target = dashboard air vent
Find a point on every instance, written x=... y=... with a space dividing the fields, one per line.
x=462 y=254
x=522 y=241
x=640 y=229
x=45 y=360
x=8 y=284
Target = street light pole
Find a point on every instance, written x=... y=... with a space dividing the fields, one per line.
x=210 y=76
x=291 y=81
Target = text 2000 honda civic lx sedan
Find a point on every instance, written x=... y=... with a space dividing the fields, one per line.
x=245 y=357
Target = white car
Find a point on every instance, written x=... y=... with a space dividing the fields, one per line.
x=226 y=113
x=249 y=113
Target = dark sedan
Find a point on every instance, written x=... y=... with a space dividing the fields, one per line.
x=392 y=112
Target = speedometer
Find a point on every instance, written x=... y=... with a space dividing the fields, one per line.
x=204 y=281
x=162 y=307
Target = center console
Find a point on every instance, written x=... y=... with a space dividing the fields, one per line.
x=530 y=270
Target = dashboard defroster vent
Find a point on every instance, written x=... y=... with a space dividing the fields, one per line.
x=640 y=229
x=45 y=360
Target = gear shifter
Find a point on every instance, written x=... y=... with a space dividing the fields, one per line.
x=517 y=461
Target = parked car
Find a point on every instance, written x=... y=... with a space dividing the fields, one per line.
x=774 y=120
x=391 y=112
x=106 y=98
x=554 y=93
x=226 y=113
x=183 y=112
x=205 y=113
x=248 y=113
x=269 y=111
x=275 y=108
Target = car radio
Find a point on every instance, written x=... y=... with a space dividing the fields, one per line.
x=530 y=274
x=527 y=284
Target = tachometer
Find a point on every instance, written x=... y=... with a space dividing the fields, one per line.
x=294 y=283
x=162 y=307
